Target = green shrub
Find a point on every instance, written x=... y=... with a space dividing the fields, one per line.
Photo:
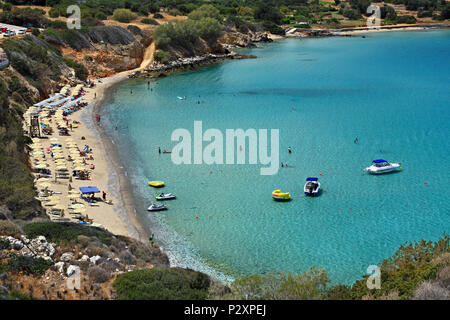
x=101 y=16
x=205 y=11
x=150 y=21
x=8 y=228
x=66 y=232
x=124 y=15
x=27 y=265
x=406 y=19
x=98 y=275
x=80 y=70
x=35 y=32
x=53 y=13
x=158 y=15
x=162 y=56
x=4 y=244
x=162 y=284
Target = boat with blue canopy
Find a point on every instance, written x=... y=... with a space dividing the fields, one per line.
x=312 y=186
x=380 y=166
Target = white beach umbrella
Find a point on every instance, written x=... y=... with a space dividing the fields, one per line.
x=78 y=206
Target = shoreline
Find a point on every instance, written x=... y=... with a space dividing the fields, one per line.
x=118 y=184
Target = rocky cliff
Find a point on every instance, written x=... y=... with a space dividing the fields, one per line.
x=104 y=50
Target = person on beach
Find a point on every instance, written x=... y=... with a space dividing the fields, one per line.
x=151 y=239
x=282 y=165
x=95 y=95
x=356 y=140
x=131 y=91
x=104 y=196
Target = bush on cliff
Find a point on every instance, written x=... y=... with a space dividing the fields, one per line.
x=66 y=232
x=124 y=15
x=27 y=265
x=412 y=264
x=162 y=56
x=186 y=34
x=150 y=21
x=162 y=284
x=80 y=70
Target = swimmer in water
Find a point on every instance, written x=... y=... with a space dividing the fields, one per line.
x=356 y=140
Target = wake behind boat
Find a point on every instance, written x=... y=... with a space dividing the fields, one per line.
x=382 y=166
x=312 y=186
x=157 y=207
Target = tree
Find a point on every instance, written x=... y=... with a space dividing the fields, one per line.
x=266 y=12
x=205 y=11
x=209 y=29
x=124 y=15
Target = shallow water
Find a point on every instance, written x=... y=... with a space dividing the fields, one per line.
x=391 y=90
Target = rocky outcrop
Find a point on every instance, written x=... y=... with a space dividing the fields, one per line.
x=104 y=50
x=235 y=39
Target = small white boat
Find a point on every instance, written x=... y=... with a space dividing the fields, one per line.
x=157 y=207
x=312 y=186
x=165 y=196
x=382 y=166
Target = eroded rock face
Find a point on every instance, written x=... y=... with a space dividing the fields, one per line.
x=106 y=50
x=244 y=40
x=38 y=247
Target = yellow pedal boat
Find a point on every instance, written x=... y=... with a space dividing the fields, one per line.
x=281 y=196
x=156 y=184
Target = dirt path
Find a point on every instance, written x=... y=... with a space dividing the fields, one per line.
x=148 y=57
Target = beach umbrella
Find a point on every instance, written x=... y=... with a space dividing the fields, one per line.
x=58 y=207
x=72 y=196
x=78 y=206
x=44 y=185
x=78 y=168
x=79 y=210
x=54 y=140
x=41 y=166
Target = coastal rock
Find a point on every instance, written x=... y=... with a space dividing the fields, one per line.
x=3 y=276
x=3 y=291
x=84 y=258
x=59 y=266
x=72 y=270
x=95 y=259
x=24 y=239
x=67 y=257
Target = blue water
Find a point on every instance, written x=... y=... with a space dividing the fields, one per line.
x=391 y=90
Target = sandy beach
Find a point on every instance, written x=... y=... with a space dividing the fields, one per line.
x=118 y=217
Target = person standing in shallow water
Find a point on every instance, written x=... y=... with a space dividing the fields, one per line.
x=356 y=140
x=159 y=149
x=289 y=149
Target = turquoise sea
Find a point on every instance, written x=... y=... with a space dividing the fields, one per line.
x=391 y=90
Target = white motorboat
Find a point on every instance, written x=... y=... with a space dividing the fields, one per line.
x=157 y=207
x=312 y=186
x=380 y=166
